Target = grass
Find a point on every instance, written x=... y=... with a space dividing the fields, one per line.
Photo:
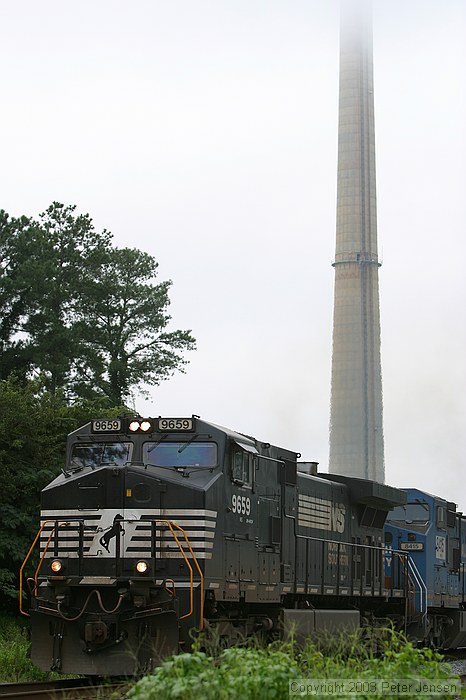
x=15 y=666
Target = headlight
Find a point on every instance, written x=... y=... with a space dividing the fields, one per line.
x=143 y=425
x=141 y=567
x=56 y=566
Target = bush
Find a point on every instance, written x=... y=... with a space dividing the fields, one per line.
x=377 y=654
x=265 y=672
x=237 y=673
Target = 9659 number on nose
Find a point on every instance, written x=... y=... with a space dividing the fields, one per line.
x=175 y=424
x=106 y=426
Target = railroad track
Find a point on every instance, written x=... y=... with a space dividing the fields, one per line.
x=69 y=689
x=457 y=662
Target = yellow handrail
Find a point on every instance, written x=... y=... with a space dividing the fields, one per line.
x=173 y=590
x=201 y=577
x=171 y=525
x=46 y=522
x=191 y=576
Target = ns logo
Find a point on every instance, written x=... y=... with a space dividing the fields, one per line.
x=321 y=514
x=337 y=517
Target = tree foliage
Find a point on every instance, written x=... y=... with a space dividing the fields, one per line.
x=63 y=248
x=86 y=317
x=123 y=325
x=14 y=292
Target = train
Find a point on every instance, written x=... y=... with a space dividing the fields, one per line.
x=158 y=530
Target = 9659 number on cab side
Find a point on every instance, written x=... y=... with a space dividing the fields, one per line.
x=241 y=505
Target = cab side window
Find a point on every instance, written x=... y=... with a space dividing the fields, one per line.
x=242 y=468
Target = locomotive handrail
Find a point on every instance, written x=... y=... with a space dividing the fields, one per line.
x=414 y=578
x=422 y=587
x=173 y=589
x=171 y=524
x=402 y=558
x=36 y=574
x=358 y=548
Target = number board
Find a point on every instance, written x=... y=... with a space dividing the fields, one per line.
x=440 y=547
x=174 y=424
x=412 y=546
x=106 y=426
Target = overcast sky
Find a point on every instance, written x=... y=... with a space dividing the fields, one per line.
x=205 y=133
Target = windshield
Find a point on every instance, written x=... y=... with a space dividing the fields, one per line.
x=180 y=454
x=417 y=512
x=96 y=454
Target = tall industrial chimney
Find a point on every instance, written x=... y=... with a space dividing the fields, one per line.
x=356 y=428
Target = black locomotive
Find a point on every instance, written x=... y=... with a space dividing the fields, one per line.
x=159 y=528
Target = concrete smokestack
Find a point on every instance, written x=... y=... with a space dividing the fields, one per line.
x=356 y=427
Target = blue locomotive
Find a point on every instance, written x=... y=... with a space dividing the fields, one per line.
x=158 y=528
x=434 y=534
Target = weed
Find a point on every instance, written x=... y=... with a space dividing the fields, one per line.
x=15 y=665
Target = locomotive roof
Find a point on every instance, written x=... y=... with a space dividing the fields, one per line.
x=370 y=492
x=246 y=440
x=409 y=490
x=237 y=437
